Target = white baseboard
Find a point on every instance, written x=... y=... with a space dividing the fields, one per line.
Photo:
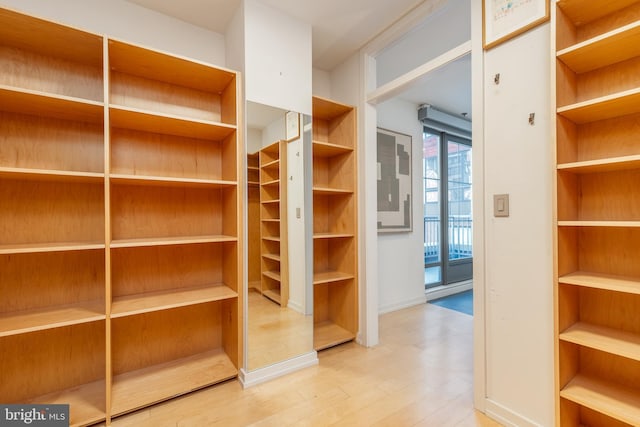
x=258 y=376
x=506 y=417
x=400 y=305
x=445 y=291
x=295 y=306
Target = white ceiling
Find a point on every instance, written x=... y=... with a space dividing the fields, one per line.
x=339 y=29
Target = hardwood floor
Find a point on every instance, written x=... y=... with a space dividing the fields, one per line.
x=419 y=375
x=275 y=333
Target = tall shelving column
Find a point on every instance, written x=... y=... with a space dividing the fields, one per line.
x=175 y=226
x=335 y=243
x=253 y=221
x=273 y=222
x=52 y=217
x=597 y=287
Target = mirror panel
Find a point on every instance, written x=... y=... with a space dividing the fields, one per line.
x=279 y=297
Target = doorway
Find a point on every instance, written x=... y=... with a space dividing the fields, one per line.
x=448 y=218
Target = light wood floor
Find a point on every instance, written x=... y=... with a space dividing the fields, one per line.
x=419 y=375
x=275 y=333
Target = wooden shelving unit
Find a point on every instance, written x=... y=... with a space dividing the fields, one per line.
x=597 y=287
x=335 y=227
x=253 y=221
x=52 y=249
x=174 y=209
x=273 y=223
x=119 y=221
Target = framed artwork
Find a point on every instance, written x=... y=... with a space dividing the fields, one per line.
x=292 y=126
x=505 y=19
x=394 y=181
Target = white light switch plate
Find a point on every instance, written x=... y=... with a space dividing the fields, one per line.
x=501 y=205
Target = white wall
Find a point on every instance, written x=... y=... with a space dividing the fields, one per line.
x=234 y=41
x=518 y=249
x=347 y=82
x=448 y=27
x=401 y=275
x=321 y=83
x=254 y=140
x=297 y=244
x=129 y=22
x=277 y=58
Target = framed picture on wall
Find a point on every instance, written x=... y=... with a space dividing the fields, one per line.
x=292 y=126
x=505 y=19
x=394 y=181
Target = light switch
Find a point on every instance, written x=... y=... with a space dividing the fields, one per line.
x=500 y=205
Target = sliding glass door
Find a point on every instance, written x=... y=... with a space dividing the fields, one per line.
x=447 y=208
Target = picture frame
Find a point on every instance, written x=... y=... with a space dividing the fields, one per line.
x=504 y=19
x=395 y=176
x=292 y=126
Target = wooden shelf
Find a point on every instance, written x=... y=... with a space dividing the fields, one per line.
x=274 y=164
x=609 y=340
x=327 y=109
x=271 y=220
x=615 y=46
x=30 y=248
x=86 y=402
x=267 y=202
x=319 y=236
x=273 y=295
x=23 y=101
x=170 y=181
x=163 y=300
x=326 y=149
x=149 y=121
x=601 y=281
x=581 y=12
x=328 y=334
x=617 y=402
x=173 y=69
x=272 y=183
x=272 y=257
x=330 y=277
x=275 y=275
x=21 y=322
x=271 y=239
x=628 y=224
x=611 y=164
x=48 y=38
x=605 y=107
x=167 y=241
x=50 y=175
x=331 y=191
x=133 y=390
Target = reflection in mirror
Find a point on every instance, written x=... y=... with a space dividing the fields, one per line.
x=279 y=298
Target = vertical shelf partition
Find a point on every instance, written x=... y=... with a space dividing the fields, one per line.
x=335 y=229
x=597 y=286
x=120 y=240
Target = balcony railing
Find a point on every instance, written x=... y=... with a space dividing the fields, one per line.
x=460 y=233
